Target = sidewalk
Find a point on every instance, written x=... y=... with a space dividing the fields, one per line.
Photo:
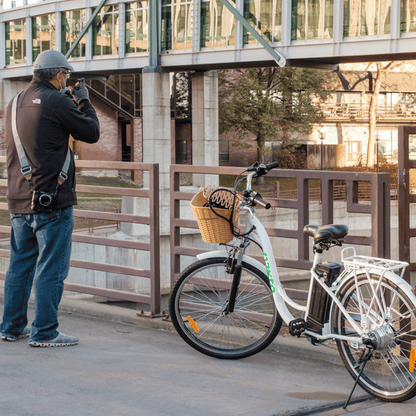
x=126 y=365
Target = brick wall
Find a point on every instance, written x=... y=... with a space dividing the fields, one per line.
x=240 y=155
x=109 y=145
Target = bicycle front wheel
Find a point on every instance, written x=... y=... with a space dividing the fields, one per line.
x=390 y=316
x=198 y=309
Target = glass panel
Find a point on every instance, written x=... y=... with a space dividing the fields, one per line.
x=369 y=17
x=408 y=16
x=166 y=43
x=329 y=19
x=259 y=14
x=351 y=17
x=206 y=26
x=137 y=27
x=16 y=42
x=224 y=25
x=224 y=152
x=385 y=10
x=106 y=31
x=72 y=24
x=366 y=17
x=298 y=19
x=316 y=9
x=43 y=33
x=277 y=30
x=217 y=25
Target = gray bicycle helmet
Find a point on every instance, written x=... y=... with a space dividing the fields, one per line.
x=51 y=59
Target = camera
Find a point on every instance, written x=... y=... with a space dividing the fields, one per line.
x=43 y=201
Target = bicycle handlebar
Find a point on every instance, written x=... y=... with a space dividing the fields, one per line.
x=261 y=169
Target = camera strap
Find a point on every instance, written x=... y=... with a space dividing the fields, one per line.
x=25 y=167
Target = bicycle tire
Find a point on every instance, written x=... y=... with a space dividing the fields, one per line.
x=388 y=375
x=198 y=301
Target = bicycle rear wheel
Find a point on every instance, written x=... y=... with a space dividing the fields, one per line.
x=389 y=375
x=198 y=310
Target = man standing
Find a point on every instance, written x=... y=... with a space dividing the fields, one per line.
x=41 y=195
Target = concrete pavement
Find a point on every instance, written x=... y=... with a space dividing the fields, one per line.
x=126 y=365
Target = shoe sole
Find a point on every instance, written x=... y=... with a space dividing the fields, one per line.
x=52 y=344
x=15 y=339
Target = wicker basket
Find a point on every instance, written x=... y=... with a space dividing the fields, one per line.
x=213 y=228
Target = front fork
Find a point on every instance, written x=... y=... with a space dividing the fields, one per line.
x=235 y=267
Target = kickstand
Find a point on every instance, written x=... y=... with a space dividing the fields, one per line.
x=365 y=356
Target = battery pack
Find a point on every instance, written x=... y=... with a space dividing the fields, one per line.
x=319 y=306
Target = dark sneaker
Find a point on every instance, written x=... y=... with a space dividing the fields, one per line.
x=24 y=334
x=61 y=340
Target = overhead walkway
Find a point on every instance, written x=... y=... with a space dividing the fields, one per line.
x=177 y=35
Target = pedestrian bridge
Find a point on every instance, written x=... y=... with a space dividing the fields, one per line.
x=124 y=36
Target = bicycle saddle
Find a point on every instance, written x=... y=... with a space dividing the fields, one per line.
x=326 y=232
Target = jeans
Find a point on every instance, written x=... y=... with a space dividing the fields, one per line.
x=40 y=251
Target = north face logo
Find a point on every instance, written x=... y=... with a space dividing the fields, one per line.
x=36 y=101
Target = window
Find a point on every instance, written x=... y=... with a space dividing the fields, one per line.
x=266 y=16
x=217 y=25
x=177 y=30
x=312 y=19
x=224 y=150
x=408 y=16
x=16 y=42
x=181 y=151
x=137 y=27
x=366 y=17
x=354 y=150
x=72 y=24
x=105 y=31
x=43 y=34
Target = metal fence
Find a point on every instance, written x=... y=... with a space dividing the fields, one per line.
x=407 y=231
x=378 y=208
x=83 y=235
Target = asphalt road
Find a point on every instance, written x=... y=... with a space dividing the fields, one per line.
x=124 y=368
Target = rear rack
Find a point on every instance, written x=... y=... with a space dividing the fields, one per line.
x=355 y=262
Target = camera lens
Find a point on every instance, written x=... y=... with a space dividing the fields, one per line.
x=45 y=200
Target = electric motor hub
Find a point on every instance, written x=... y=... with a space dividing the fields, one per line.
x=383 y=338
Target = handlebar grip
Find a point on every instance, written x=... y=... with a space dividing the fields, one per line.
x=260 y=201
x=272 y=166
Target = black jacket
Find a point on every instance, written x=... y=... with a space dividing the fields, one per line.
x=45 y=119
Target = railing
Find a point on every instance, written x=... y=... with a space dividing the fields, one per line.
x=340 y=193
x=353 y=111
x=93 y=241
x=407 y=229
x=378 y=208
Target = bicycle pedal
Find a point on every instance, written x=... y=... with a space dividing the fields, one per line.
x=297 y=327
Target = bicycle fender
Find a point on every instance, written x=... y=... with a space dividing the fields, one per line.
x=393 y=277
x=222 y=253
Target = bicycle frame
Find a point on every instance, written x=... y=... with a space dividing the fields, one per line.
x=280 y=296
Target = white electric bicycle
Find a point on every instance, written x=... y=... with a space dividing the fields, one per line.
x=229 y=305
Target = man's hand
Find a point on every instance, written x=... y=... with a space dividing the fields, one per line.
x=80 y=92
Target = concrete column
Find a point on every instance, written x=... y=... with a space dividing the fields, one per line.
x=58 y=31
x=286 y=22
x=88 y=37
x=205 y=150
x=157 y=134
x=121 y=30
x=2 y=45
